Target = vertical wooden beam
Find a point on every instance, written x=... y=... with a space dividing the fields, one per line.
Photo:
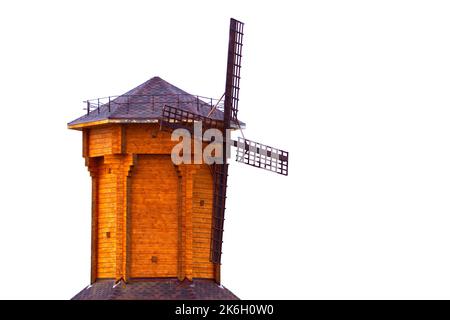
x=131 y=160
x=122 y=165
x=185 y=211
x=91 y=164
x=94 y=213
x=117 y=139
x=189 y=197
x=180 y=206
x=113 y=163
x=85 y=143
x=123 y=138
x=117 y=169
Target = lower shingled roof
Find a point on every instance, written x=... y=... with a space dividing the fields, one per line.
x=156 y=289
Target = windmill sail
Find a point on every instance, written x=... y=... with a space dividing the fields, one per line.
x=262 y=156
x=233 y=78
x=232 y=83
x=248 y=152
x=176 y=118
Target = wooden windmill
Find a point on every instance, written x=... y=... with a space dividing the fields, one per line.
x=152 y=219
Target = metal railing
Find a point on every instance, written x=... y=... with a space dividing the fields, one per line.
x=108 y=104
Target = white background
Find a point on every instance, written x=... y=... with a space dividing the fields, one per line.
x=357 y=91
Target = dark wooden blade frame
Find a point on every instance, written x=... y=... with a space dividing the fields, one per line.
x=249 y=152
x=233 y=78
x=175 y=118
x=262 y=156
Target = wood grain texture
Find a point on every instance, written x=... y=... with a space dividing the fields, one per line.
x=100 y=141
x=154 y=217
x=202 y=203
x=144 y=207
x=92 y=165
x=106 y=221
x=147 y=139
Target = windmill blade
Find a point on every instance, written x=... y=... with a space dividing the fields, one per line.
x=175 y=118
x=220 y=175
x=233 y=77
x=229 y=118
x=262 y=156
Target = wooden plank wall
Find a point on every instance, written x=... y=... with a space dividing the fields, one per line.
x=201 y=222
x=154 y=217
x=150 y=208
x=106 y=221
x=147 y=139
x=100 y=141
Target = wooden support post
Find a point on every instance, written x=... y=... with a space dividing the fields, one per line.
x=131 y=160
x=189 y=194
x=123 y=139
x=121 y=166
x=91 y=164
x=180 y=222
x=85 y=150
x=185 y=211
x=94 y=215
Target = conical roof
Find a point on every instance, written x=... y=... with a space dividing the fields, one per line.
x=145 y=103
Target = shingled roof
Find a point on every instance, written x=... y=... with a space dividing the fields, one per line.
x=145 y=103
x=156 y=289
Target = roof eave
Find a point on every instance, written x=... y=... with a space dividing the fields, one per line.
x=81 y=126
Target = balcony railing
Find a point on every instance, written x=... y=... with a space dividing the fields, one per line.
x=108 y=104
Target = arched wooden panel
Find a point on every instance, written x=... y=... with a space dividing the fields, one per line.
x=154 y=218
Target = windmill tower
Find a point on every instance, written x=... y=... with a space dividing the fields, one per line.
x=158 y=226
